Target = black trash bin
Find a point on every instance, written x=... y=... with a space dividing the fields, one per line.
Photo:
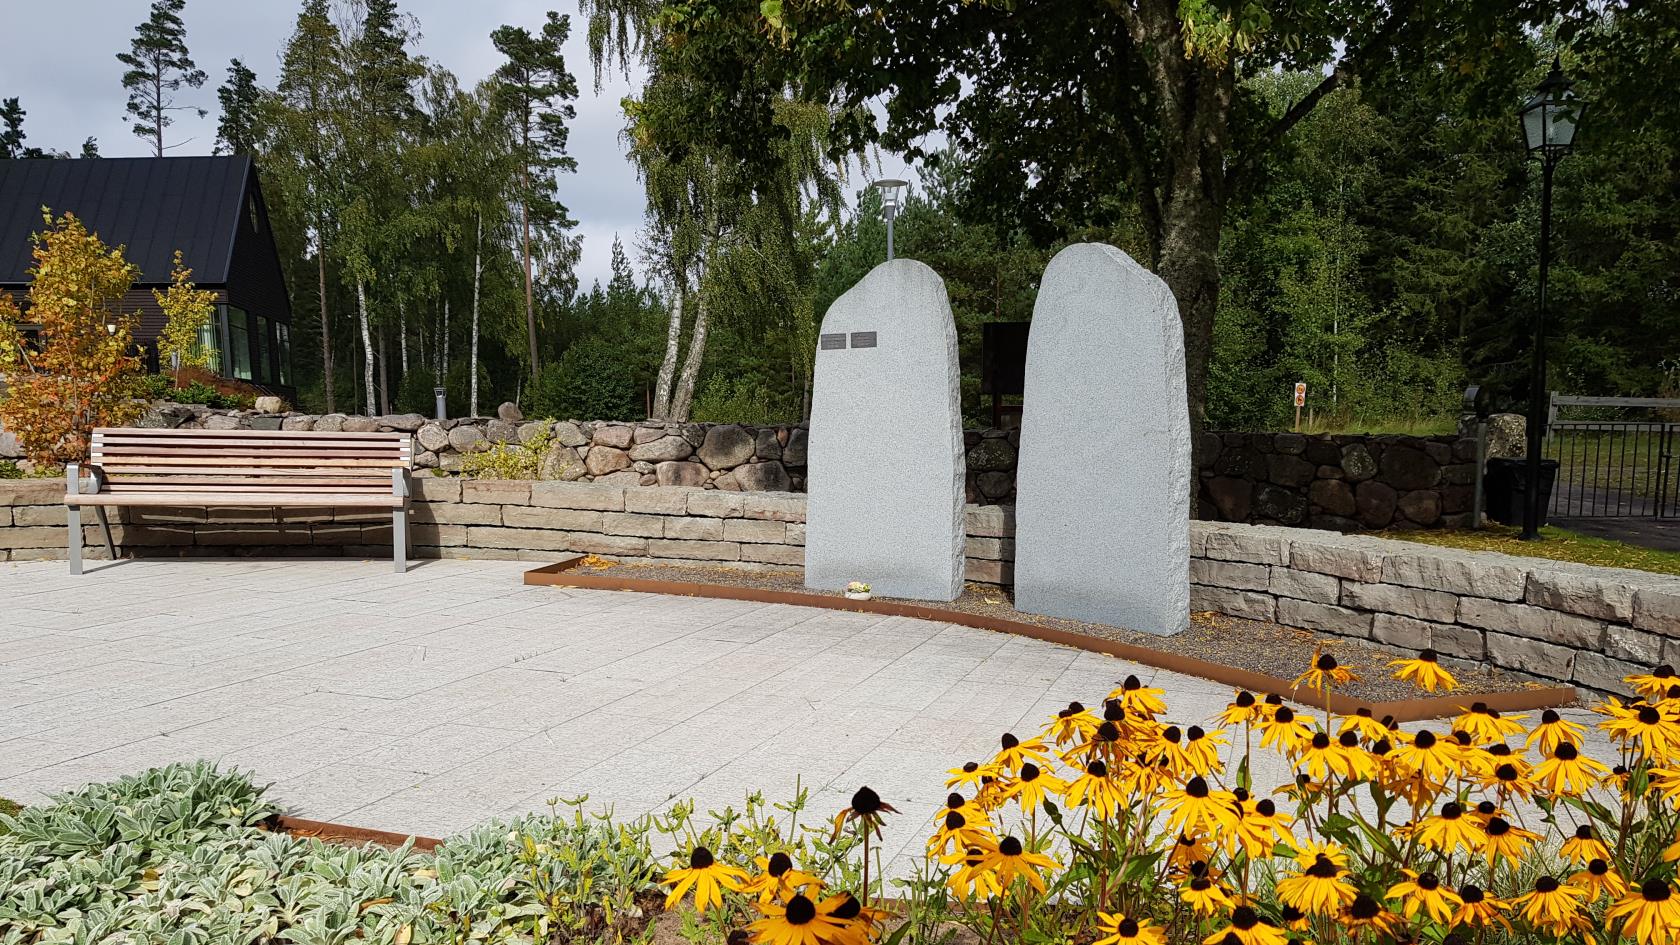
x=1505 y=489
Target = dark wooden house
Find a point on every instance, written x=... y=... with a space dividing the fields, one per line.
x=209 y=208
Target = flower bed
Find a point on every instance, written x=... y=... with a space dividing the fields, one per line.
x=1111 y=827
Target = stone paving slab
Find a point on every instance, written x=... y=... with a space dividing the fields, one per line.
x=429 y=701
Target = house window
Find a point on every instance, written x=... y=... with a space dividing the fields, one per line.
x=206 y=343
x=284 y=349
x=259 y=348
x=239 y=343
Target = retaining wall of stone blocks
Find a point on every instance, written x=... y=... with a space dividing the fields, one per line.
x=1564 y=622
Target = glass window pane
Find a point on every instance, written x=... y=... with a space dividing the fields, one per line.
x=285 y=333
x=259 y=335
x=239 y=344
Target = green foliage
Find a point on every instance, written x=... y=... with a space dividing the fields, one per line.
x=509 y=460
x=9 y=470
x=591 y=381
x=236 y=132
x=158 y=67
x=727 y=398
x=175 y=855
x=456 y=389
x=416 y=392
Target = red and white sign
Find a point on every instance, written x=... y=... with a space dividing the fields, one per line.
x=1300 y=393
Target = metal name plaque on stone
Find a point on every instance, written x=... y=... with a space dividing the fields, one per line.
x=887 y=508
x=833 y=342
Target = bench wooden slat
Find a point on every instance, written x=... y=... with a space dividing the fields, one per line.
x=188 y=462
x=251 y=453
x=315 y=481
x=281 y=434
x=252 y=499
x=268 y=485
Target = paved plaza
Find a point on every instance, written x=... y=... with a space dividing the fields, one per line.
x=428 y=701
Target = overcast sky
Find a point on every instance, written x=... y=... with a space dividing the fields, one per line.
x=62 y=64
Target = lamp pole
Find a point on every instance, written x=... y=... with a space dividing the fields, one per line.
x=889 y=189
x=1549 y=122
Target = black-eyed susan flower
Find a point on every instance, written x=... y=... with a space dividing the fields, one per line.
x=1666 y=781
x=1014 y=753
x=972 y=775
x=1243 y=710
x=959 y=825
x=777 y=878
x=1204 y=895
x=797 y=923
x=1363 y=724
x=1011 y=861
x=1259 y=828
x=1506 y=841
x=1568 y=772
x=1139 y=699
x=1197 y=807
x=1321 y=889
x=972 y=879
x=1651 y=729
x=867 y=809
x=854 y=923
x=1423 y=893
x=1509 y=774
x=1323 y=673
x=1553 y=730
x=1201 y=749
x=1188 y=849
x=1478 y=910
x=1650 y=914
x=1096 y=790
x=1486 y=726
x=1072 y=725
x=1245 y=927
x=1600 y=879
x=1434 y=759
x=1584 y=846
x=1550 y=905
x=1425 y=672
x=1294 y=919
x=1325 y=757
x=1119 y=929
x=707 y=877
x=1449 y=830
x=1284 y=730
x=1032 y=786
x=1365 y=914
x=1655 y=684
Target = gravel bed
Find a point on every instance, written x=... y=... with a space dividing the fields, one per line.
x=1264 y=647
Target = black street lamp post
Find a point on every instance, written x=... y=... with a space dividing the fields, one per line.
x=1549 y=120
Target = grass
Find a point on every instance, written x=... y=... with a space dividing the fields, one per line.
x=1559 y=545
x=9 y=808
x=1408 y=426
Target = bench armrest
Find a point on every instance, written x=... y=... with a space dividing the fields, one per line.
x=76 y=484
x=400 y=486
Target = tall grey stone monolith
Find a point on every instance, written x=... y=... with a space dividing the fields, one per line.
x=885 y=467
x=1102 y=491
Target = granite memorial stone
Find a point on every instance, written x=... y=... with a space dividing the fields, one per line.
x=887 y=508
x=1102 y=487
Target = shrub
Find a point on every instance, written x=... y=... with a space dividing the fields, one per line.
x=508 y=460
x=589 y=382
x=187 y=310
x=9 y=470
x=82 y=376
x=415 y=393
x=458 y=391
x=726 y=399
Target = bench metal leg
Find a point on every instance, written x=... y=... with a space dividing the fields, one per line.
x=73 y=514
x=105 y=523
x=399 y=540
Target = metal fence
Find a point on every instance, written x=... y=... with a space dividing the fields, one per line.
x=1614 y=468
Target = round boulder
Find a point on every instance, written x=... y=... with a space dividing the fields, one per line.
x=615 y=435
x=666 y=449
x=1358 y=463
x=467 y=438
x=560 y=462
x=768 y=476
x=566 y=433
x=726 y=447
x=1375 y=503
x=432 y=437
x=692 y=475
x=509 y=413
x=1406 y=468
x=603 y=460
x=1332 y=496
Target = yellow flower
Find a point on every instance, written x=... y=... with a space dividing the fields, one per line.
x=1507 y=842
x=1584 y=846
x=1365 y=914
x=800 y=922
x=1477 y=910
x=1188 y=850
x=1487 y=726
x=1667 y=780
x=1424 y=672
x=1201 y=749
x=974 y=879
x=1320 y=890
x=1030 y=789
x=1199 y=806
x=1139 y=699
x=1011 y=860
x=1204 y=895
x=1283 y=729
x=1654 y=729
x=1324 y=673
x=1342 y=758
x=1551 y=905
x=1509 y=773
x=777 y=879
x=973 y=775
x=867 y=808
x=1094 y=789
x=1072 y=725
x=1016 y=753
x=1423 y=892
x=1433 y=759
x=1554 y=730
x=1450 y=830
x=1600 y=879
x=1259 y=828
x=1243 y=710
x=1651 y=914
x=1246 y=928
x=1568 y=772
x=1364 y=725
x=1117 y=929
x=1655 y=684
x=961 y=825
x=707 y=877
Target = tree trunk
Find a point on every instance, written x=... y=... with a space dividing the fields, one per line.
x=525 y=222
x=1190 y=268
x=402 y=339
x=326 y=323
x=661 y=409
x=683 y=400
x=472 y=363
x=367 y=343
x=443 y=344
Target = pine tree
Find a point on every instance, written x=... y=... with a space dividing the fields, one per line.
x=158 y=67
x=236 y=132
x=11 y=130
x=535 y=90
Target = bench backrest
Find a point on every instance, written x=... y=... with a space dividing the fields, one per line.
x=285 y=461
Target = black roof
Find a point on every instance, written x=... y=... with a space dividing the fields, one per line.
x=153 y=206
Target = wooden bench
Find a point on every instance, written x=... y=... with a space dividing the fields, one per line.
x=242 y=468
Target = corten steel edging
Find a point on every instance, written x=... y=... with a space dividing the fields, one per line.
x=344 y=834
x=562 y=574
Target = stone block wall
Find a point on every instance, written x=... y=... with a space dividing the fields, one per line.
x=1569 y=623
x=1341 y=483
